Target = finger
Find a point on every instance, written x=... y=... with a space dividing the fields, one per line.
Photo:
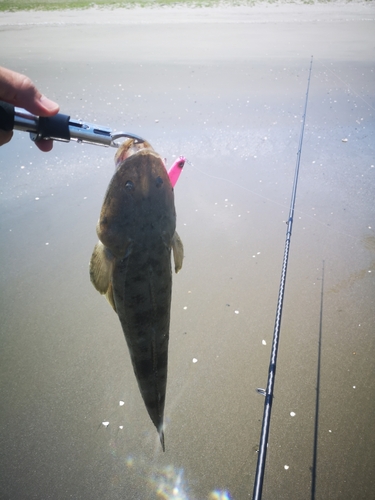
x=20 y=91
x=5 y=136
x=45 y=146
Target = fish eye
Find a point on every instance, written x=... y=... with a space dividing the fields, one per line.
x=159 y=182
x=129 y=185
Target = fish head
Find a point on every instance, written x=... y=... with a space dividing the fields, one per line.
x=139 y=203
x=142 y=176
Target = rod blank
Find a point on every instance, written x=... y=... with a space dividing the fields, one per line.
x=262 y=454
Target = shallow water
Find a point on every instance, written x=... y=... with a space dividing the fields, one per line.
x=233 y=107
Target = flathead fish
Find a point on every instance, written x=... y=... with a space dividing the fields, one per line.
x=131 y=264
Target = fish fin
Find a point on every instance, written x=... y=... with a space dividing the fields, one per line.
x=161 y=436
x=109 y=296
x=178 y=252
x=101 y=267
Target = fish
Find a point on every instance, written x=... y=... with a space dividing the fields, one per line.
x=131 y=265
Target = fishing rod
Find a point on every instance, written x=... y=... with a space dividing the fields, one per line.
x=268 y=393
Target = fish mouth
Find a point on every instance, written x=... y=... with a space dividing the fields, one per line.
x=129 y=148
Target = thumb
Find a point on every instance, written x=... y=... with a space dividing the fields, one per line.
x=33 y=101
x=20 y=91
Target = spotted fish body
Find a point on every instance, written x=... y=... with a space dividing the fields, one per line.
x=131 y=264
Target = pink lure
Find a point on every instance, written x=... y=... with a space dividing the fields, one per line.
x=176 y=169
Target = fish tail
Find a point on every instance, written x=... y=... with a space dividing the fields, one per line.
x=161 y=436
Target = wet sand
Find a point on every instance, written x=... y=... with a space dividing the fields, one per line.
x=225 y=88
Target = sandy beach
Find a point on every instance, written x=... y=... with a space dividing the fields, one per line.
x=224 y=87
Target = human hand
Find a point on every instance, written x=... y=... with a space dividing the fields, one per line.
x=20 y=91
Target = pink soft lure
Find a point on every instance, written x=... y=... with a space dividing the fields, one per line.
x=176 y=169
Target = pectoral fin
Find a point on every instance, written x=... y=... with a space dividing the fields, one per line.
x=178 y=252
x=101 y=268
x=109 y=296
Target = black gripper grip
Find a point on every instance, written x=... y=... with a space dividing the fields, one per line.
x=6 y=116
x=54 y=127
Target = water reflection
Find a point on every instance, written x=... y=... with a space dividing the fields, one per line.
x=169 y=483
x=219 y=495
